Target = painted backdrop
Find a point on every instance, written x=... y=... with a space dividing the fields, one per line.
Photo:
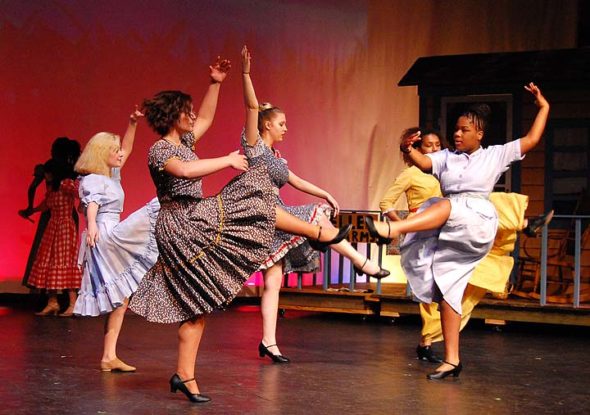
x=78 y=67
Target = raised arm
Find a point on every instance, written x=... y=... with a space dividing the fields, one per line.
x=417 y=158
x=206 y=113
x=532 y=138
x=250 y=100
x=129 y=137
x=203 y=167
x=311 y=189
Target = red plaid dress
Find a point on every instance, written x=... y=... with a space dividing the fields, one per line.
x=55 y=267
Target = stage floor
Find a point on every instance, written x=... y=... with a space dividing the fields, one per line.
x=341 y=364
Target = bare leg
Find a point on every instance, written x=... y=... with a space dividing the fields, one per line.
x=73 y=296
x=189 y=337
x=269 y=306
x=344 y=248
x=292 y=224
x=451 y=324
x=112 y=328
x=432 y=217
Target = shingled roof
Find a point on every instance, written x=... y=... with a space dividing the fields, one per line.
x=564 y=66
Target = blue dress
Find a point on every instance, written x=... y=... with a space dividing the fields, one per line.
x=294 y=251
x=125 y=250
x=440 y=262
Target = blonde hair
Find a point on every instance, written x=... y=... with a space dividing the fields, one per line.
x=93 y=159
x=266 y=112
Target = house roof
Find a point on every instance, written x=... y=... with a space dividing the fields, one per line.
x=565 y=66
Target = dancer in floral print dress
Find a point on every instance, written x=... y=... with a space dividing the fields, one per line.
x=208 y=246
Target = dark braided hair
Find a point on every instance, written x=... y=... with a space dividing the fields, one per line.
x=479 y=115
x=164 y=109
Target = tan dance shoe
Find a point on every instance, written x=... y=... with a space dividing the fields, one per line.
x=49 y=310
x=116 y=365
x=69 y=312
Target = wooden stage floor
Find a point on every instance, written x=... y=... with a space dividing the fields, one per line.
x=393 y=303
x=341 y=364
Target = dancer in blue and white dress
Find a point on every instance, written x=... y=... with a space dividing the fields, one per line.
x=265 y=127
x=114 y=255
x=453 y=234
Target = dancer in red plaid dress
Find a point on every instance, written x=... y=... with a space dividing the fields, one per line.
x=55 y=267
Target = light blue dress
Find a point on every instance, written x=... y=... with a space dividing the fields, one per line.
x=125 y=250
x=439 y=263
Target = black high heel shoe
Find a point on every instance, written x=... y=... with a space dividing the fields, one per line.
x=323 y=246
x=427 y=354
x=178 y=384
x=277 y=358
x=374 y=233
x=382 y=273
x=438 y=375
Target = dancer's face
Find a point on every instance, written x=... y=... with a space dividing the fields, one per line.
x=467 y=137
x=115 y=157
x=277 y=127
x=430 y=144
x=187 y=119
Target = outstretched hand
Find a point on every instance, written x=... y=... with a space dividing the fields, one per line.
x=218 y=71
x=407 y=142
x=136 y=115
x=238 y=161
x=540 y=100
x=245 y=60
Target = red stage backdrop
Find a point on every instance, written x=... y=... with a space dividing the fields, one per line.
x=75 y=68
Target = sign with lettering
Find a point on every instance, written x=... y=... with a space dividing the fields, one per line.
x=359 y=232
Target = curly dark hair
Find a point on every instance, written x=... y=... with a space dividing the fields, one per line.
x=479 y=115
x=429 y=131
x=164 y=109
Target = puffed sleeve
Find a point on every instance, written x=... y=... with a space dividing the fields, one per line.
x=400 y=185
x=160 y=154
x=93 y=189
x=252 y=151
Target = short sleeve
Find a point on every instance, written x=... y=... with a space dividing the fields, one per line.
x=439 y=162
x=399 y=186
x=93 y=189
x=507 y=154
x=189 y=140
x=160 y=154
x=252 y=151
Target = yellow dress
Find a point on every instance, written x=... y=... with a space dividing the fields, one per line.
x=417 y=185
x=492 y=273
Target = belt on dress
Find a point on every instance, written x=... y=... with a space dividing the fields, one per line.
x=108 y=216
